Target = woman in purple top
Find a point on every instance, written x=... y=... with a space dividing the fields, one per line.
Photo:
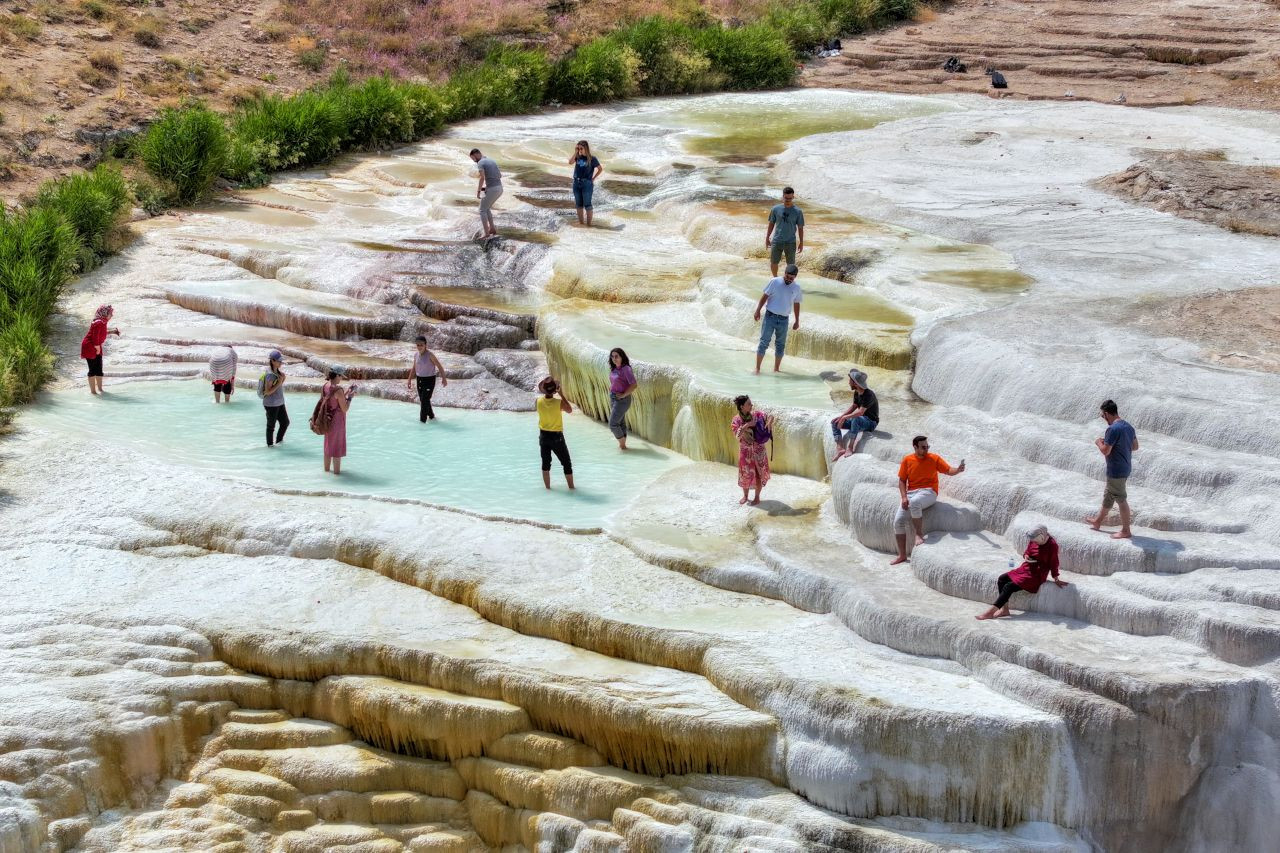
x=622 y=384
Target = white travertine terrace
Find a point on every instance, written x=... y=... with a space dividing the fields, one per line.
x=208 y=648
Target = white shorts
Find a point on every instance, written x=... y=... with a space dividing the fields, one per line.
x=918 y=500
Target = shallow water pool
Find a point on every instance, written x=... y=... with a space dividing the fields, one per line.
x=481 y=461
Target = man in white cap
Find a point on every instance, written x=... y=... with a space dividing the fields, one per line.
x=271 y=389
x=780 y=298
x=863 y=415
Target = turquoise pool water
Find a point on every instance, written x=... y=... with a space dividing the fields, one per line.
x=481 y=461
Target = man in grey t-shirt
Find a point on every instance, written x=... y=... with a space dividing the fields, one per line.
x=785 y=234
x=488 y=191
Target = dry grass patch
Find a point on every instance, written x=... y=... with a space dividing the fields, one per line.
x=106 y=61
x=924 y=14
x=21 y=27
x=148 y=30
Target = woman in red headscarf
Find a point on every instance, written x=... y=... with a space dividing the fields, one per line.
x=91 y=346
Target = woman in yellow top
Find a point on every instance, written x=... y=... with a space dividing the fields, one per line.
x=552 y=407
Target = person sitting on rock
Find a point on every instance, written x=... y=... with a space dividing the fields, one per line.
x=1039 y=561
x=918 y=487
x=863 y=415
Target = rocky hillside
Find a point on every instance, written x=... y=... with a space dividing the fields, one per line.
x=1140 y=52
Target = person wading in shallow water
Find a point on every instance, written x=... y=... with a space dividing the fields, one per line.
x=489 y=190
x=780 y=298
x=222 y=369
x=753 y=430
x=552 y=407
x=1039 y=561
x=425 y=369
x=586 y=169
x=622 y=384
x=1117 y=444
x=918 y=488
x=91 y=345
x=271 y=389
x=336 y=401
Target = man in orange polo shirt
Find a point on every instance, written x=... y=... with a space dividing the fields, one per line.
x=918 y=487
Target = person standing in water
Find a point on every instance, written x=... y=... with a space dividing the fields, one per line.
x=552 y=407
x=91 y=345
x=271 y=389
x=622 y=384
x=1117 y=444
x=586 y=169
x=425 y=368
x=222 y=369
x=785 y=234
x=781 y=297
x=1039 y=561
x=863 y=415
x=918 y=490
x=489 y=190
x=752 y=429
x=337 y=401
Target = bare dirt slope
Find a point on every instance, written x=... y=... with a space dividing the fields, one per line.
x=1140 y=52
x=72 y=71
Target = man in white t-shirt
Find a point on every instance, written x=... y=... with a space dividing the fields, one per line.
x=781 y=298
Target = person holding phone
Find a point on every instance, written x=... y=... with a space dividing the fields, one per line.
x=918 y=490
x=337 y=400
x=91 y=346
x=552 y=407
x=1039 y=561
x=489 y=190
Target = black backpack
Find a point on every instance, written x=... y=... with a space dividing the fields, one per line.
x=998 y=81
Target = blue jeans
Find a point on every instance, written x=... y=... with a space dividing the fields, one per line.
x=774 y=326
x=861 y=423
x=582 y=190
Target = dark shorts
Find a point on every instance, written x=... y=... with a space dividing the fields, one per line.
x=553 y=442
x=224 y=386
x=777 y=250
x=95 y=365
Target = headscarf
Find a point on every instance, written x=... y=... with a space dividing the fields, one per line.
x=104 y=312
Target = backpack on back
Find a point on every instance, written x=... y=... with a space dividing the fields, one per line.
x=262 y=386
x=321 y=417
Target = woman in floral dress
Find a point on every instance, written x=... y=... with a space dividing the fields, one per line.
x=753 y=430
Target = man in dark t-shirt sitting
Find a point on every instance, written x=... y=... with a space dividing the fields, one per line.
x=863 y=415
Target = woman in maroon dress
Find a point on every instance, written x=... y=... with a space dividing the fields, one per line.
x=1040 y=560
x=337 y=401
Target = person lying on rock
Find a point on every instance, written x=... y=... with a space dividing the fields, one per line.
x=918 y=488
x=863 y=415
x=1039 y=561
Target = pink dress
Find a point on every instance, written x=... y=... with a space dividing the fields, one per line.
x=753 y=459
x=335 y=440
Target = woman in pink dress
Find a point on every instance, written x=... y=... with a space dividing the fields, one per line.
x=753 y=429
x=337 y=401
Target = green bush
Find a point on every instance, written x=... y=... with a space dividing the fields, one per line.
x=151 y=197
x=91 y=202
x=38 y=254
x=188 y=148
x=508 y=82
x=25 y=362
x=670 y=64
x=427 y=106
x=273 y=133
x=751 y=57
x=604 y=69
x=313 y=59
x=373 y=113
x=806 y=25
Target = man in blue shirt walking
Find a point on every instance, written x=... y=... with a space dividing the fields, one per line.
x=1117 y=445
x=781 y=297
